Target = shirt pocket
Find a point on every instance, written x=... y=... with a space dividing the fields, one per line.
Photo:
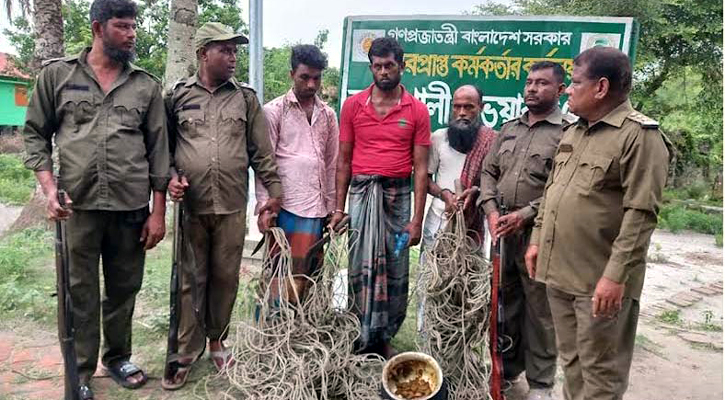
x=190 y=123
x=592 y=172
x=78 y=107
x=234 y=120
x=506 y=153
x=539 y=162
x=559 y=163
x=130 y=111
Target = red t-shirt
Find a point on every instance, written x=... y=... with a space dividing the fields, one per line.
x=384 y=146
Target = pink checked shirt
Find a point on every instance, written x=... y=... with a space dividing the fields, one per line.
x=306 y=156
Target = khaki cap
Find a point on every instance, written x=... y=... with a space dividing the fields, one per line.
x=216 y=32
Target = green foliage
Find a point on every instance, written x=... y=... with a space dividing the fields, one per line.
x=676 y=217
x=678 y=72
x=26 y=287
x=16 y=181
x=670 y=317
x=151 y=42
x=718 y=239
x=276 y=72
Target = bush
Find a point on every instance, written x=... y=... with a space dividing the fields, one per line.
x=676 y=217
x=16 y=182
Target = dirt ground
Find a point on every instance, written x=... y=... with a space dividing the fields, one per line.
x=8 y=214
x=681 y=359
x=675 y=360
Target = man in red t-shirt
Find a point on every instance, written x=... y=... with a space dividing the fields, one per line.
x=384 y=136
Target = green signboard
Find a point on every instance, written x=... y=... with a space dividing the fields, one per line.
x=493 y=53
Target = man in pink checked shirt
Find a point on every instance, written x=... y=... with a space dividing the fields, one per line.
x=304 y=135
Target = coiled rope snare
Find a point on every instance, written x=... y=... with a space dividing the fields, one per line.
x=300 y=349
x=457 y=310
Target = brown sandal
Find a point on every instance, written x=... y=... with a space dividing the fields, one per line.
x=179 y=379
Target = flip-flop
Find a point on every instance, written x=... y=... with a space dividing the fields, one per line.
x=183 y=371
x=121 y=370
x=223 y=358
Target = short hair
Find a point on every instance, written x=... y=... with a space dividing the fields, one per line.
x=383 y=47
x=103 y=10
x=610 y=63
x=478 y=90
x=309 y=55
x=556 y=68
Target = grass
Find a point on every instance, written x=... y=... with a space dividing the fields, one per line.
x=26 y=265
x=676 y=218
x=16 y=182
x=671 y=317
x=405 y=340
x=699 y=192
x=28 y=278
x=647 y=344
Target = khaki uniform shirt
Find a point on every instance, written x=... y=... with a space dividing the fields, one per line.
x=601 y=203
x=112 y=147
x=215 y=136
x=519 y=163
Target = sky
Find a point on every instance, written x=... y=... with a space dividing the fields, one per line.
x=293 y=21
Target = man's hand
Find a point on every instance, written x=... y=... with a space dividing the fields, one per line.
x=532 y=254
x=272 y=205
x=335 y=219
x=266 y=220
x=177 y=187
x=492 y=224
x=467 y=196
x=414 y=230
x=607 y=299
x=451 y=201
x=53 y=209
x=153 y=230
x=509 y=224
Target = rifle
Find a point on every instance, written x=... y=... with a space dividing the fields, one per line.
x=65 y=308
x=172 y=345
x=497 y=317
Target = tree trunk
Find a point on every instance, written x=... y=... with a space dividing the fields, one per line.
x=181 y=58
x=48 y=23
x=48 y=26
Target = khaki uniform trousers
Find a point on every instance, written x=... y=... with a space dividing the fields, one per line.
x=210 y=278
x=596 y=353
x=527 y=320
x=111 y=236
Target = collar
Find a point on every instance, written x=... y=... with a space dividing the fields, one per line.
x=290 y=97
x=555 y=117
x=195 y=80
x=615 y=117
x=405 y=96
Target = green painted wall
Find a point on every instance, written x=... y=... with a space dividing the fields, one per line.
x=10 y=113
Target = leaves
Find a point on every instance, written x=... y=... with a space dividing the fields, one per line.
x=678 y=72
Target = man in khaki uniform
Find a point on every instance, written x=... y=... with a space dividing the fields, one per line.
x=593 y=228
x=217 y=129
x=107 y=118
x=516 y=170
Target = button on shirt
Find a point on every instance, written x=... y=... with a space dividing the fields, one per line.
x=215 y=137
x=519 y=163
x=112 y=147
x=306 y=155
x=601 y=203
